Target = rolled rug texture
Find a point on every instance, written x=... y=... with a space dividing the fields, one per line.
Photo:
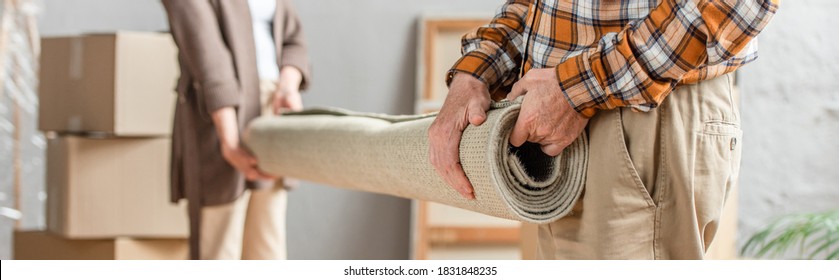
x=388 y=154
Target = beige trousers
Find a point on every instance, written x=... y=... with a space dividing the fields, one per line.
x=250 y=228
x=656 y=181
x=253 y=226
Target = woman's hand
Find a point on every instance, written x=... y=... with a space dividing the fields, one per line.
x=287 y=96
x=236 y=155
x=244 y=162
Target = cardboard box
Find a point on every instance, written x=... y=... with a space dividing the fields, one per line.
x=112 y=187
x=40 y=245
x=121 y=84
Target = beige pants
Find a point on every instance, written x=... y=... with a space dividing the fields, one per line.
x=253 y=226
x=656 y=181
x=266 y=96
x=250 y=228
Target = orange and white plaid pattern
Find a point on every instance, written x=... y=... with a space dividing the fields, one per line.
x=615 y=53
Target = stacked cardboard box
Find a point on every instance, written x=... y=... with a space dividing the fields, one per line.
x=39 y=245
x=111 y=187
x=109 y=100
x=119 y=84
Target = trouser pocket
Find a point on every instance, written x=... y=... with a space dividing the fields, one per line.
x=715 y=173
x=636 y=143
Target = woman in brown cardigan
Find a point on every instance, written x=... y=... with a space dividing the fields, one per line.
x=239 y=59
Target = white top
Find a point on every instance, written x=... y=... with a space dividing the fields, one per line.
x=262 y=15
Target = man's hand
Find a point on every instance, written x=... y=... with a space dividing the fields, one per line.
x=287 y=96
x=237 y=156
x=546 y=117
x=467 y=102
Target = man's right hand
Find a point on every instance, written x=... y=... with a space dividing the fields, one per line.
x=467 y=102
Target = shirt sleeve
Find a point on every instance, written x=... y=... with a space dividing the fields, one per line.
x=294 y=50
x=639 y=66
x=195 y=28
x=492 y=53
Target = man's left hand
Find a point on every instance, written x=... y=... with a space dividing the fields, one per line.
x=546 y=117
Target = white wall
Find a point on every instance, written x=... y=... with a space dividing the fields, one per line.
x=790 y=108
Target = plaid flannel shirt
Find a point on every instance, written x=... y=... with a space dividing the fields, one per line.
x=615 y=53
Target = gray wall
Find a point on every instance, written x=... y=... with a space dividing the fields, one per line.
x=363 y=52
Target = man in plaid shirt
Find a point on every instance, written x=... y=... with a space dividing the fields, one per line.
x=650 y=81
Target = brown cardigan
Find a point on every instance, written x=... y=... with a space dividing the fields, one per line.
x=218 y=69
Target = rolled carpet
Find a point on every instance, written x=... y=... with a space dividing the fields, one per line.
x=389 y=155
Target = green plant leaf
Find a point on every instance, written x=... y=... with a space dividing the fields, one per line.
x=813 y=233
x=824 y=245
x=834 y=255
